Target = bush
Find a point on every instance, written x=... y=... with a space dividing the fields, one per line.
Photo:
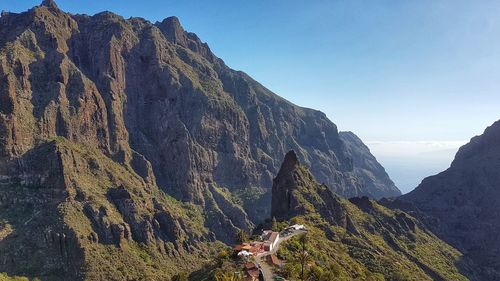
x=180 y=277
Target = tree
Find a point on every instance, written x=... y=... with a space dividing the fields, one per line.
x=221 y=257
x=303 y=256
x=180 y=277
x=299 y=258
x=242 y=236
x=228 y=276
x=274 y=225
x=317 y=273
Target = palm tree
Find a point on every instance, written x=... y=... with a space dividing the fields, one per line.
x=303 y=256
x=274 y=225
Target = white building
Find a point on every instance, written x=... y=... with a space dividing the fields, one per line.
x=297 y=227
x=271 y=239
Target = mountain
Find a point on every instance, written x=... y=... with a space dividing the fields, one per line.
x=128 y=150
x=356 y=239
x=137 y=90
x=462 y=204
x=68 y=212
x=374 y=179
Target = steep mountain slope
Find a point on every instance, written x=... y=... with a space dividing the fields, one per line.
x=374 y=179
x=462 y=204
x=134 y=89
x=68 y=212
x=358 y=239
x=101 y=117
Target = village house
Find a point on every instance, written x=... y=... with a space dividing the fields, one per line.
x=246 y=247
x=252 y=271
x=249 y=249
x=244 y=254
x=273 y=260
x=271 y=239
x=297 y=227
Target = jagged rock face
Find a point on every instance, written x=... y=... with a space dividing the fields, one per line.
x=31 y=232
x=43 y=93
x=462 y=203
x=68 y=212
x=154 y=98
x=375 y=181
x=66 y=76
x=296 y=192
x=178 y=104
x=153 y=93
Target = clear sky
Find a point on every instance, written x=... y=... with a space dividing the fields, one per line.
x=415 y=76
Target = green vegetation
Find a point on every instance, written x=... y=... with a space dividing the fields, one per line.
x=130 y=260
x=374 y=254
x=274 y=225
x=359 y=239
x=255 y=201
x=180 y=277
x=227 y=276
x=5 y=277
x=19 y=50
x=225 y=266
x=242 y=236
x=91 y=175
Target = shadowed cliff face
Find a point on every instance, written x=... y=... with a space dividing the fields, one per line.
x=68 y=212
x=130 y=85
x=462 y=204
x=374 y=179
x=160 y=107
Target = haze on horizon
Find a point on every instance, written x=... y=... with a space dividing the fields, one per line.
x=413 y=79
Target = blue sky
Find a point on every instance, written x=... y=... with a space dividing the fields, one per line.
x=395 y=72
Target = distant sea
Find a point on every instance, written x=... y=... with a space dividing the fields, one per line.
x=409 y=162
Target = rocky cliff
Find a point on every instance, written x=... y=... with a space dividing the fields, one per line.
x=296 y=192
x=374 y=179
x=68 y=212
x=132 y=88
x=101 y=117
x=462 y=204
x=357 y=239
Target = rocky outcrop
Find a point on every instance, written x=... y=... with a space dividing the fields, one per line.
x=462 y=203
x=296 y=192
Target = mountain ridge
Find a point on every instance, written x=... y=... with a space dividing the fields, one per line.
x=461 y=203
x=380 y=242
x=159 y=149
x=138 y=74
